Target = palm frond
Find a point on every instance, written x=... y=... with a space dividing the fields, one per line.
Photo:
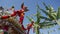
x=29 y=18
x=51 y=16
x=54 y=14
x=47 y=24
x=47 y=8
x=58 y=13
x=51 y=9
x=38 y=16
x=42 y=17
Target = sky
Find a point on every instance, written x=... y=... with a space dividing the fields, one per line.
x=31 y=4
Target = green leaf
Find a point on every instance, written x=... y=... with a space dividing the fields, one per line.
x=58 y=21
x=29 y=18
x=47 y=24
x=42 y=17
x=58 y=13
x=48 y=13
x=54 y=14
x=47 y=8
x=38 y=16
x=51 y=9
x=51 y=16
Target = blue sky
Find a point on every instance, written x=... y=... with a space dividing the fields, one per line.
x=31 y=4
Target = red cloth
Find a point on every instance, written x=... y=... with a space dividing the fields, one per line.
x=4 y=17
x=21 y=16
x=13 y=14
x=21 y=19
x=23 y=27
x=6 y=28
x=29 y=26
x=19 y=13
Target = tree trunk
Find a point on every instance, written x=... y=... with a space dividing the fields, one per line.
x=37 y=30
